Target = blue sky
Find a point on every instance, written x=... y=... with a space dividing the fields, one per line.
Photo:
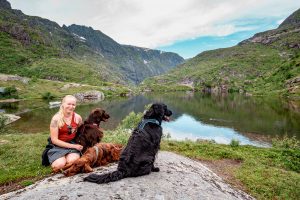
x=186 y=27
x=191 y=47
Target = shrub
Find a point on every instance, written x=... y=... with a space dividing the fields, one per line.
x=234 y=143
x=9 y=92
x=131 y=120
x=3 y=120
x=48 y=96
x=286 y=143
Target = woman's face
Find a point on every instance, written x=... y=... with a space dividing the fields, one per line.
x=69 y=105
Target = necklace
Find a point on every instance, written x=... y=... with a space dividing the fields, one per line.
x=67 y=120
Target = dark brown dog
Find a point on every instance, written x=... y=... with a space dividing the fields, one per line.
x=99 y=155
x=90 y=132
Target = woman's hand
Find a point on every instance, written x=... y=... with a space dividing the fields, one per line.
x=77 y=146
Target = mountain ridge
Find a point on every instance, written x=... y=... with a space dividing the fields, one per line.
x=32 y=45
x=267 y=63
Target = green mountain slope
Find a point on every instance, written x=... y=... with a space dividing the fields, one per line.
x=36 y=47
x=266 y=63
x=135 y=63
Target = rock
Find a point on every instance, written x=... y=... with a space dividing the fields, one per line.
x=5 y=4
x=9 y=100
x=54 y=104
x=92 y=95
x=4 y=77
x=70 y=85
x=10 y=118
x=179 y=178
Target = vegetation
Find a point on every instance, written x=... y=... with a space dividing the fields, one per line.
x=3 y=120
x=9 y=92
x=251 y=68
x=267 y=63
x=265 y=173
x=39 y=88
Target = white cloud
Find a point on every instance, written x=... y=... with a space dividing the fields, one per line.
x=152 y=23
x=280 y=21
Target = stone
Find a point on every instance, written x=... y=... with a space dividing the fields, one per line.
x=92 y=95
x=179 y=178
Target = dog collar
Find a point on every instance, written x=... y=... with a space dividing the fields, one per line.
x=97 y=153
x=145 y=121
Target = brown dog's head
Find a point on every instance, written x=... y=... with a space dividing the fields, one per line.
x=96 y=116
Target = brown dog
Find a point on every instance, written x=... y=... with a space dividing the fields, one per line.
x=90 y=133
x=99 y=155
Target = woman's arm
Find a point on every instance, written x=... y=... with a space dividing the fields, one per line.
x=54 y=136
x=78 y=119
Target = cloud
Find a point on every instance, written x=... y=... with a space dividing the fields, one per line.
x=153 y=23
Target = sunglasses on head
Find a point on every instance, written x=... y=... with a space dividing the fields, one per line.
x=69 y=129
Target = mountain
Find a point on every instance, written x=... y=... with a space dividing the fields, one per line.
x=135 y=63
x=268 y=62
x=37 y=47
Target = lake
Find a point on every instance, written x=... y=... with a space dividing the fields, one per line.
x=251 y=120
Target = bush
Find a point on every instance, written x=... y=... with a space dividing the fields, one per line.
x=48 y=96
x=234 y=143
x=9 y=92
x=286 y=143
x=131 y=121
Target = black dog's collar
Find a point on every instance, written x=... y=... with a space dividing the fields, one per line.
x=145 y=121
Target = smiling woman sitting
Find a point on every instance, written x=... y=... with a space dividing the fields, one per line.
x=63 y=128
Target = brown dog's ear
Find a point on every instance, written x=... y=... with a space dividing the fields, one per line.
x=93 y=115
x=87 y=168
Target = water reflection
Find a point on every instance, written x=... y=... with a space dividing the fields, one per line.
x=186 y=127
x=247 y=119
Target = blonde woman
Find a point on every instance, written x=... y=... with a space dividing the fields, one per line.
x=63 y=128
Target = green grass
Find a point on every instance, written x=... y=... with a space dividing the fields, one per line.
x=266 y=173
x=38 y=88
x=20 y=156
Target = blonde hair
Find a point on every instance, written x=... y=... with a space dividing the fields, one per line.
x=60 y=113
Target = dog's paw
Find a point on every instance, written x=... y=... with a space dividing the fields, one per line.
x=155 y=169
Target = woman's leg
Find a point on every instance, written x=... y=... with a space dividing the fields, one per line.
x=58 y=164
x=71 y=157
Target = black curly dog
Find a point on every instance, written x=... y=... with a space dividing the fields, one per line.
x=138 y=157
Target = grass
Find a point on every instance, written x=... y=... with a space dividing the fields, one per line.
x=266 y=173
x=40 y=88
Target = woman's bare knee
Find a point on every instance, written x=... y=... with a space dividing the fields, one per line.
x=58 y=164
x=72 y=157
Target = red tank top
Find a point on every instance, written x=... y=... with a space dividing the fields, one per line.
x=67 y=133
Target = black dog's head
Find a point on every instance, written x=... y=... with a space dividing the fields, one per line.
x=96 y=116
x=158 y=111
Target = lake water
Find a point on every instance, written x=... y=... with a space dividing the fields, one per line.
x=196 y=116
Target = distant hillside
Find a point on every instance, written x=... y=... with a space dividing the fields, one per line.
x=36 y=47
x=268 y=62
x=135 y=63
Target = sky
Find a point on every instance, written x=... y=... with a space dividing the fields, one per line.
x=186 y=27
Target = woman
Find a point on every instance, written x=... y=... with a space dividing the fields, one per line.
x=63 y=128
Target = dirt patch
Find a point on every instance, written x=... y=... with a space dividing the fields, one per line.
x=10 y=187
x=226 y=168
x=18 y=184
x=4 y=141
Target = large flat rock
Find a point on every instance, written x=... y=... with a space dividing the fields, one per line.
x=179 y=178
